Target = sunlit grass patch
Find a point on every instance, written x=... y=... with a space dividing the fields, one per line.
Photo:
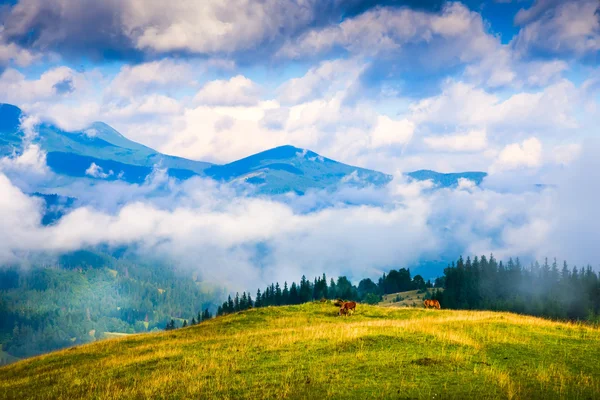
x=307 y=351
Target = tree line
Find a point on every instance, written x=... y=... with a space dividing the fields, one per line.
x=304 y=291
x=538 y=289
x=481 y=283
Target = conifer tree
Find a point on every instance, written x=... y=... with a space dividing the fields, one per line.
x=258 y=302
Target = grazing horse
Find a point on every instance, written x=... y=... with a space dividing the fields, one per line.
x=432 y=304
x=347 y=306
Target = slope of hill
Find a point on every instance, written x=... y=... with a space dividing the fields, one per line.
x=411 y=298
x=307 y=351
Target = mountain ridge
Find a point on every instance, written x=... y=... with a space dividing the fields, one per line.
x=101 y=152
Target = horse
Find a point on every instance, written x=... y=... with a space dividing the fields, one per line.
x=432 y=304
x=346 y=307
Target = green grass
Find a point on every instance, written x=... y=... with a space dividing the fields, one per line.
x=308 y=352
x=412 y=298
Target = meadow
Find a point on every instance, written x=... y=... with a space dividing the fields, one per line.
x=308 y=352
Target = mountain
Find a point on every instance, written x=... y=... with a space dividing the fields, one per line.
x=446 y=180
x=288 y=168
x=307 y=351
x=100 y=152
x=73 y=153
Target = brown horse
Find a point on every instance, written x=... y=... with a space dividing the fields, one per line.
x=347 y=306
x=432 y=304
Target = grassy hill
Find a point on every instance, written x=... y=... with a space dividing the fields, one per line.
x=412 y=298
x=307 y=351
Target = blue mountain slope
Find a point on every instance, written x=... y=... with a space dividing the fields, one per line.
x=288 y=168
x=100 y=142
x=100 y=152
x=446 y=180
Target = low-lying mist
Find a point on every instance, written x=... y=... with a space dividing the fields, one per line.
x=227 y=235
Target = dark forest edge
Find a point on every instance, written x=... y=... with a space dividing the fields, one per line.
x=479 y=284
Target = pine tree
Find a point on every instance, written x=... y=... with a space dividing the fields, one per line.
x=184 y=323
x=230 y=306
x=236 y=303
x=258 y=302
x=193 y=321
x=285 y=294
x=278 y=295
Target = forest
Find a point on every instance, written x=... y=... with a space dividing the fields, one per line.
x=85 y=296
x=545 y=289
x=479 y=284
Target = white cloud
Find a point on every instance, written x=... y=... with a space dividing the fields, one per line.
x=465 y=104
x=475 y=140
x=455 y=33
x=52 y=84
x=563 y=28
x=565 y=154
x=326 y=78
x=32 y=160
x=155 y=75
x=95 y=171
x=237 y=91
x=527 y=154
x=10 y=52
x=389 y=132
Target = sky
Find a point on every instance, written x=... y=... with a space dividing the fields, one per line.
x=506 y=87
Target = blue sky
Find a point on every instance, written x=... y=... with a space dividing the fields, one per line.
x=387 y=85
x=506 y=87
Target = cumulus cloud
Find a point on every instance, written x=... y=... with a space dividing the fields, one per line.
x=95 y=171
x=237 y=91
x=127 y=29
x=326 y=78
x=465 y=104
x=389 y=132
x=138 y=79
x=475 y=140
x=10 y=52
x=54 y=83
x=559 y=28
x=517 y=155
x=455 y=33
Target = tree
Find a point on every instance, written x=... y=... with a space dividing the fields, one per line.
x=419 y=282
x=366 y=287
x=258 y=302
x=170 y=325
x=372 y=298
x=184 y=323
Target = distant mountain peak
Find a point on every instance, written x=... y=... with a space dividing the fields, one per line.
x=281 y=169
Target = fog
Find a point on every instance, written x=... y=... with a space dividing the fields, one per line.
x=230 y=236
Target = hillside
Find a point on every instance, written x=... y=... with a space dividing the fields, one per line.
x=411 y=298
x=307 y=351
